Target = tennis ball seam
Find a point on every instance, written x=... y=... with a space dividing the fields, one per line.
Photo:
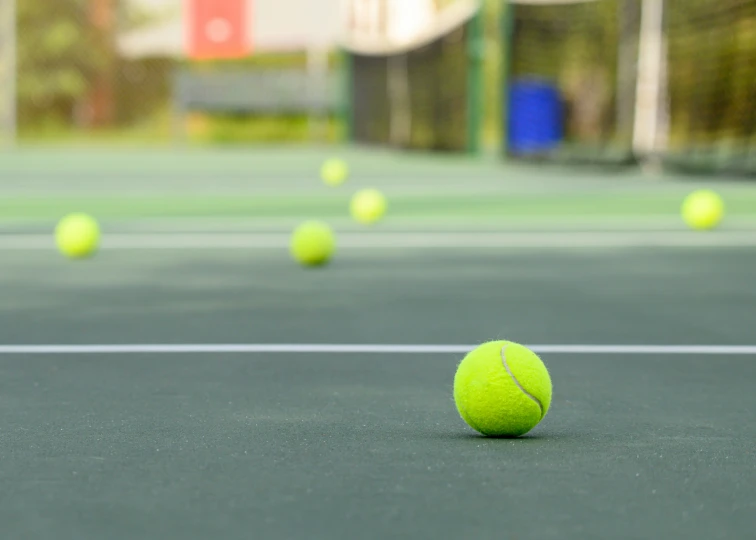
x=522 y=388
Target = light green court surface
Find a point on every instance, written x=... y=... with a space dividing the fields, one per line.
x=263 y=186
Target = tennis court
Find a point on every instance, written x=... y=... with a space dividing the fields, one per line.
x=575 y=176
x=191 y=381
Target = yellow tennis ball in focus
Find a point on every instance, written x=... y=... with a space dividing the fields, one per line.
x=368 y=206
x=313 y=244
x=703 y=209
x=334 y=172
x=77 y=236
x=502 y=389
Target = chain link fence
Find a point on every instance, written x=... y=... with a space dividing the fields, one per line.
x=424 y=94
x=587 y=51
x=69 y=68
x=712 y=84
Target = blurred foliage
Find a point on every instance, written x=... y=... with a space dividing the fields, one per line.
x=63 y=55
x=143 y=88
x=58 y=57
x=227 y=128
x=290 y=59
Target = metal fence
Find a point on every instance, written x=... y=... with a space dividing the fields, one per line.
x=672 y=78
x=711 y=73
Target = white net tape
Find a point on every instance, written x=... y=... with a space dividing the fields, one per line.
x=389 y=27
x=549 y=2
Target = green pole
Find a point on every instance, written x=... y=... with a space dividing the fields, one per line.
x=507 y=31
x=347 y=97
x=476 y=50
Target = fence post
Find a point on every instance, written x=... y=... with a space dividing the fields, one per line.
x=476 y=48
x=8 y=73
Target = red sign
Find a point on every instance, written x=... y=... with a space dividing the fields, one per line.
x=218 y=29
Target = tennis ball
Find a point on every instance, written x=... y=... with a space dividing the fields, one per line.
x=502 y=389
x=334 y=172
x=703 y=210
x=77 y=236
x=313 y=244
x=368 y=206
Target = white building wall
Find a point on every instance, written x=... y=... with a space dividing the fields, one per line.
x=277 y=25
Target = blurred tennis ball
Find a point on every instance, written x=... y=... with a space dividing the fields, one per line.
x=334 y=172
x=703 y=209
x=368 y=206
x=313 y=244
x=77 y=236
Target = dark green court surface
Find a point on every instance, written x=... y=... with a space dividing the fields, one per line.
x=190 y=446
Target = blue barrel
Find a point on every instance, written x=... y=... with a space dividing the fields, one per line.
x=536 y=117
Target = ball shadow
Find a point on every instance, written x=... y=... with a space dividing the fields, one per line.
x=539 y=436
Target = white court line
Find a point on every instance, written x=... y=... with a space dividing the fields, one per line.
x=729 y=350
x=399 y=240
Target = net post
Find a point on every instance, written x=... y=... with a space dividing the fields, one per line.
x=628 y=15
x=647 y=131
x=475 y=85
x=8 y=73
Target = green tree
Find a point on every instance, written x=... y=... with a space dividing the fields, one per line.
x=60 y=54
x=68 y=60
